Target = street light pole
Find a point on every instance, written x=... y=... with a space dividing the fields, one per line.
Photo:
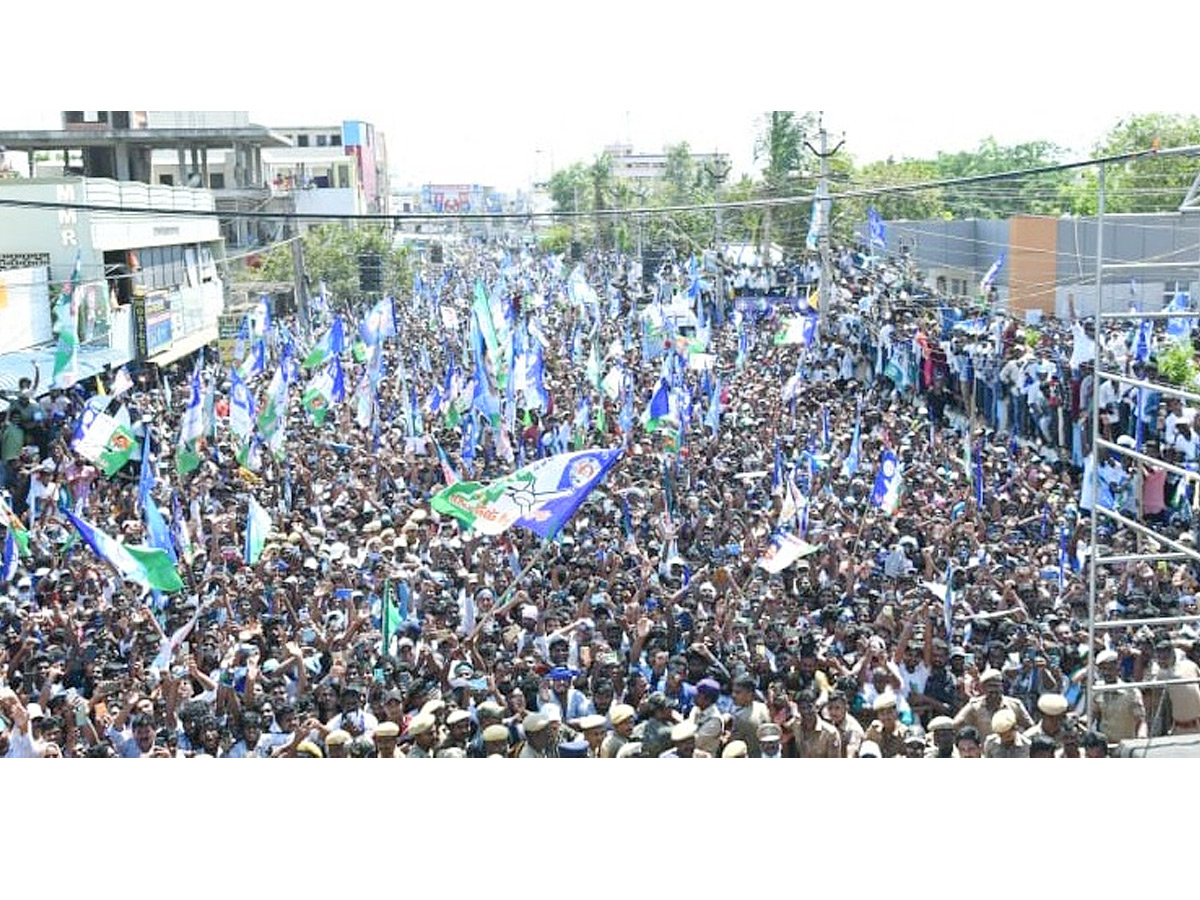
x=824 y=205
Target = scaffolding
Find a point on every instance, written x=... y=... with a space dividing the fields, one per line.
x=1175 y=549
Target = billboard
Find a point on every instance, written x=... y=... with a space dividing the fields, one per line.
x=452 y=198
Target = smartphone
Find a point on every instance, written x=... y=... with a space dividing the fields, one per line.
x=186 y=647
x=81 y=717
x=970 y=660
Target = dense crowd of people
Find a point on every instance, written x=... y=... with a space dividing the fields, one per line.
x=948 y=621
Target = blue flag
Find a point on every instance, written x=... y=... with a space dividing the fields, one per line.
x=850 y=466
x=876 y=227
x=8 y=568
x=1180 y=328
x=885 y=494
x=991 y=274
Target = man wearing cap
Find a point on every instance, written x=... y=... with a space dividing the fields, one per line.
x=710 y=724
x=622 y=718
x=683 y=740
x=770 y=741
x=886 y=732
x=495 y=740
x=537 y=737
x=1120 y=714
x=1184 y=698
x=458 y=733
x=422 y=730
x=573 y=703
x=940 y=737
x=978 y=711
x=593 y=728
x=1053 y=708
x=386 y=736
x=748 y=714
x=337 y=744
x=1005 y=741
x=812 y=736
x=488 y=713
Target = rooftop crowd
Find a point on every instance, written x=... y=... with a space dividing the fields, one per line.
x=648 y=626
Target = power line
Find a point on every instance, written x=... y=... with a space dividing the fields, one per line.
x=612 y=213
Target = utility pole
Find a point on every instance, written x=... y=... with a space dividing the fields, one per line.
x=824 y=207
x=718 y=171
x=298 y=277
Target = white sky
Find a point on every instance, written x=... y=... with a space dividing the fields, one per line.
x=462 y=104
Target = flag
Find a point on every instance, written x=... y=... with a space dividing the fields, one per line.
x=66 y=353
x=380 y=322
x=8 y=568
x=990 y=276
x=541 y=496
x=448 y=472
x=150 y=567
x=183 y=538
x=1142 y=342
x=241 y=408
x=390 y=620
x=783 y=550
x=258 y=526
x=850 y=466
x=886 y=493
x=271 y=417
x=825 y=428
x=332 y=343
x=157 y=530
x=192 y=425
x=978 y=473
x=814 y=227
x=121 y=382
x=15 y=527
x=797 y=330
x=318 y=396
x=1179 y=328
x=118 y=450
x=876 y=228
x=659 y=414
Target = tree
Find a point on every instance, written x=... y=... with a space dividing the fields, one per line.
x=780 y=147
x=1149 y=184
x=599 y=175
x=679 y=174
x=1028 y=195
x=568 y=188
x=331 y=254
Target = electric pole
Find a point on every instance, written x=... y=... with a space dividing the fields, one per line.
x=824 y=207
x=718 y=170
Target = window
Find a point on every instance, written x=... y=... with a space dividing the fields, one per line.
x=1171 y=288
x=216 y=180
x=166 y=179
x=335 y=140
x=302 y=140
x=322 y=140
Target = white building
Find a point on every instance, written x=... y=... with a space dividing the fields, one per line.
x=148 y=286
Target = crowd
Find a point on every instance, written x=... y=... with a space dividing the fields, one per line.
x=948 y=619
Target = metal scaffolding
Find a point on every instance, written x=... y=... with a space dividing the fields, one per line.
x=1175 y=550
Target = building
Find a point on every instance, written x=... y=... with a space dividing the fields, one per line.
x=148 y=289
x=323 y=170
x=163 y=148
x=1049 y=264
x=624 y=163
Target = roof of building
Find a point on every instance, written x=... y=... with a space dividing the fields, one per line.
x=59 y=139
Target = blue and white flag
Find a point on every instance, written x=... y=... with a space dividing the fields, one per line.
x=241 y=408
x=258 y=526
x=8 y=568
x=885 y=495
x=1143 y=340
x=150 y=567
x=850 y=466
x=991 y=274
x=540 y=497
x=192 y=425
x=876 y=227
x=782 y=550
x=380 y=322
x=814 y=226
x=1180 y=328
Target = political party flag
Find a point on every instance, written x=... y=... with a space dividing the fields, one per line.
x=876 y=227
x=990 y=276
x=150 y=567
x=797 y=330
x=380 y=322
x=121 y=382
x=258 y=526
x=389 y=620
x=448 y=472
x=1142 y=342
x=814 y=226
x=1179 y=328
x=886 y=493
x=256 y=362
x=66 y=353
x=271 y=417
x=660 y=414
x=191 y=427
x=157 y=530
x=783 y=550
x=318 y=395
x=332 y=343
x=15 y=527
x=8 y=567
x=541 y=497
x=850 y=466
x=118 y=450
x=241 y=408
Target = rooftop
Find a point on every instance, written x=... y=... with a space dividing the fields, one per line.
x=60 y=139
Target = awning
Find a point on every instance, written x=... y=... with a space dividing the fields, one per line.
x=15 y=366
x=185 y=345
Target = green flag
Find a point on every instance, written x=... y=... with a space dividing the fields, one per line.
x=119 y=449
x=390 y=619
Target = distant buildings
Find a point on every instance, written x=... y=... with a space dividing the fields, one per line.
x=624 y=163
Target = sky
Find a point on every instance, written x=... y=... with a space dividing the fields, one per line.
x=491 y=94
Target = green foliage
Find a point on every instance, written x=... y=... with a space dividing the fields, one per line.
x=331 y=254
x=1032 y=337
x=556 y=239
x=1177 y=364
